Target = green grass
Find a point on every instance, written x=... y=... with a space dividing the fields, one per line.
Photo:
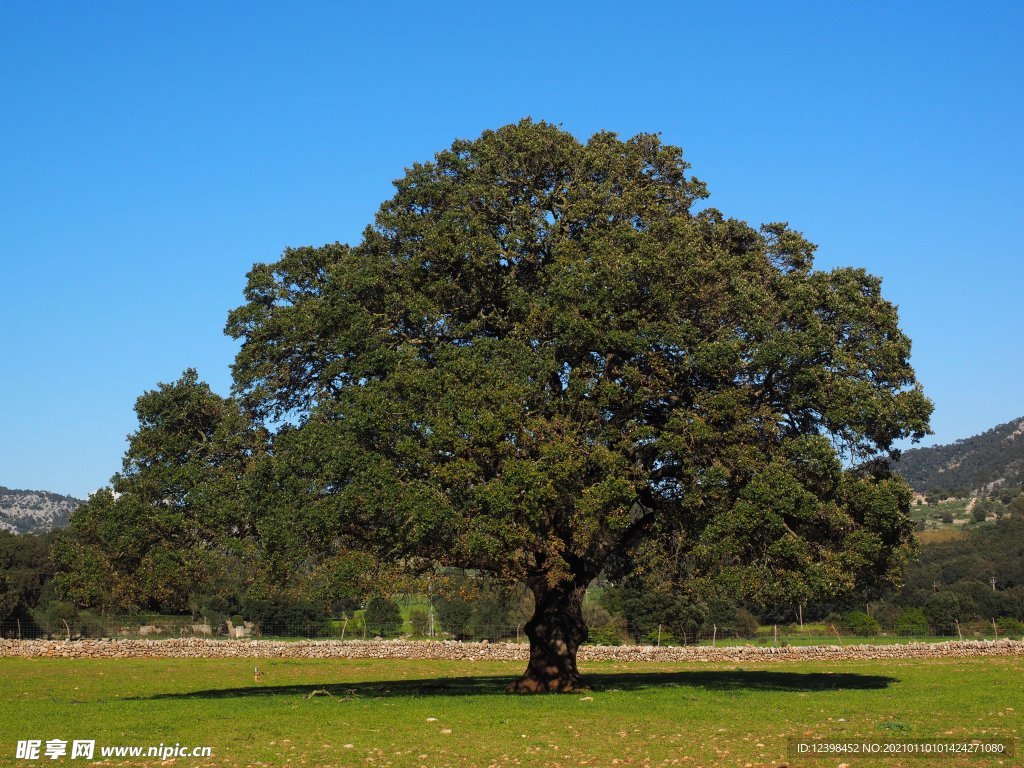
x=638 y=715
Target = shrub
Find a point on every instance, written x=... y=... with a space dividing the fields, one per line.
x=912 y=622
x=609 y=634
x=1010 y=627
x=454 y=614
x=281 y=615
x=745 y=624
x=860 y=623
x=888 y=614
x=664 y=638
x=383 y=617
x=92 y=624
x=942 y=610
x=595 y=615
x=489 y=618
x=602 y=627
x=52 y=619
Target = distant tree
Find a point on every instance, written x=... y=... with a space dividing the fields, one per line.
x=344 y=582
x=1016 y=506
x=26 y=570
x=546 y=359
x=649 y=610
x=860 y=623
x=942 y=610
x=1010 y=627
x=745 y=623
x=454 y=613
x=888 y=614
x=912 y=622
x=383 y=617
x=9 y=598
x=419 y=620
x=280 y=613
x=175 y=516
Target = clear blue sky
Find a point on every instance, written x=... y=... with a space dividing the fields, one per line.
x=151 y=152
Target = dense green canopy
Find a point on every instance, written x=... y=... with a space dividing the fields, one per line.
x=544 y=359
x=175 y=517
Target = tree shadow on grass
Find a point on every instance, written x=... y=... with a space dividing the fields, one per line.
x=712 y=680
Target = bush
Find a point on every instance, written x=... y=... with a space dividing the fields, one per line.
x=942 y=610
x=860 y=623
x=610 y=634
x=645 y=610
x=489 y=619
x=745 y=624
x=383 y=617
x=52 y=619
x=283 y=616
x=454 y=614
x=91 y=624
x=602 y=627
x=912 y=622
x=596 y=616
x=1010 y=627
x=664 y=638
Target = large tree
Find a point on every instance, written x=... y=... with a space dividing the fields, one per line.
x=545 y=360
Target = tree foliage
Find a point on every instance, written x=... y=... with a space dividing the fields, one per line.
x=175 y=519
x=545 y=359
x=383 y=617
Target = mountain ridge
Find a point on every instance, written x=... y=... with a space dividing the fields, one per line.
x=27 y=511
x=976 y=464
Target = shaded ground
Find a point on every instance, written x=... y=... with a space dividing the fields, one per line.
x=754 y=680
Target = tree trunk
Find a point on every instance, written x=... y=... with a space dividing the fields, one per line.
x=556 y=632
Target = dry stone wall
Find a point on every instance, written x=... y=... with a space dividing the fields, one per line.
x=457 y=651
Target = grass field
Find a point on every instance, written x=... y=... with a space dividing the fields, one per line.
x=433 y=713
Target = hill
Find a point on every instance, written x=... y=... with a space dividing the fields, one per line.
x=34 y=511
x=978 y=463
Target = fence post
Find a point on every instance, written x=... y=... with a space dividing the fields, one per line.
x=430 y=606
x=19 y=628
x=995 y=628
x=714 y=634
x=776 y=635
x=344 y=625
x=958 y=632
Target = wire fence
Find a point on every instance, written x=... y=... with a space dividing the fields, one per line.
x=612 y=634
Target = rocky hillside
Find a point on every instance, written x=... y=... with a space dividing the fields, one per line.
x=34 y=511
x=979 y=463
